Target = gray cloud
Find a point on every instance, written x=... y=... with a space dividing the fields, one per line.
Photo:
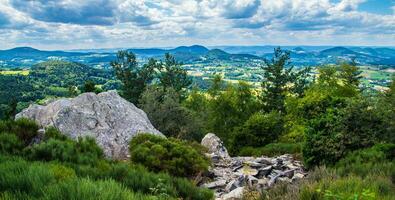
x=86 y=12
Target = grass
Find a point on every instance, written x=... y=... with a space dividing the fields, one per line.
x=362 y=175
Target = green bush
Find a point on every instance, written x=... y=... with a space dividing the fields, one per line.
x=35 y=180
x=378 y=159
x=138 y=179
x=10 y=144
x=83 y=151
x=91 y=190
x=167 y=155
x=259 y=130
x=273 y=149
x=325 y=183
x=25 y=129
x=54 y=133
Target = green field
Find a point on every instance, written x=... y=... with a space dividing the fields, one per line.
x=15 y=72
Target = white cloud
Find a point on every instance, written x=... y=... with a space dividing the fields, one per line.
x=129 y=23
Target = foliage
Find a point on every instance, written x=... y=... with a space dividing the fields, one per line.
x=54 y=133
x=166 y=113
x=168 y=155
x=24 y=129
x=272 y=149
x=84 y=151
x=89 y=86
x=230 y=109
x=20 y=179
x=172 y=75
x=133 y=77
x=10 y=144
x=280 y=79
x=259 y=130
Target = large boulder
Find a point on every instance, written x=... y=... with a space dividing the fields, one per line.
x=107 y=117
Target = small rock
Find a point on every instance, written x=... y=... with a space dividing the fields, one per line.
x=266 y=161
x=215 y=184
x=263 y=172
x=284 y=179
x=288 y=173
x=231 y=186
x=298 y=176
x=236 y=194
x=251 y=180
x=254 y=164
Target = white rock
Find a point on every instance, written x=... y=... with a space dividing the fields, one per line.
x=215 y=145
x=107 y=117
x=236 y=194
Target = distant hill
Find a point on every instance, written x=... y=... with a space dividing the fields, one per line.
x=300 y=55
x=28 y=52
x=337 y=51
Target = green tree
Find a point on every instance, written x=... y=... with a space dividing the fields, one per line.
x=230 y=109
x=133 y=77
x=259 y=130
x=89 y=86
x=350 y=74
x=167 y=114
x=173 y=75
x=280 y=79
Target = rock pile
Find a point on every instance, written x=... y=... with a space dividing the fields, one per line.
x=230 y=175
x=107 y=117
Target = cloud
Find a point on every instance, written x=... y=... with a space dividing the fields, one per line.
x=240 y=9
x=86 y=12
x=112 y=23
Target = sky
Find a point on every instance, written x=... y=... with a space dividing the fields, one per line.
x=89 y=24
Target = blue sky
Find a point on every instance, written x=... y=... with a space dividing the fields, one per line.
x=76 y=24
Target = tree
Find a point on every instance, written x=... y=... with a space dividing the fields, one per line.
x=172 y=75
x=89 y=86
x=134 y=78
x=259 y=130
x=12 y=109
x=217 y=85
x=166 y=113
x=350 y=74
x=230 y=109
x=280 y=79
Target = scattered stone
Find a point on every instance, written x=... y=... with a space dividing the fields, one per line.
x=215 y=184
x=298 y=176
x=236 y=194
x=235 y=173
x=107 y=117
x=231 y=186
x=263 y=172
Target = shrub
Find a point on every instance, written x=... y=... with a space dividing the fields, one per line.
x=35 y=180
x=89 y=189
x=54 y=133
x=375 y=160
x=10 y=144
x=25 y=129
x=259 y=130
x=324 y=140
x=138 y=179
x=273 y=149
x=167 y=155
x=83 y=151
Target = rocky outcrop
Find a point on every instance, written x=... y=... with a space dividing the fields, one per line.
x=230 y=175
x=107 y=117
